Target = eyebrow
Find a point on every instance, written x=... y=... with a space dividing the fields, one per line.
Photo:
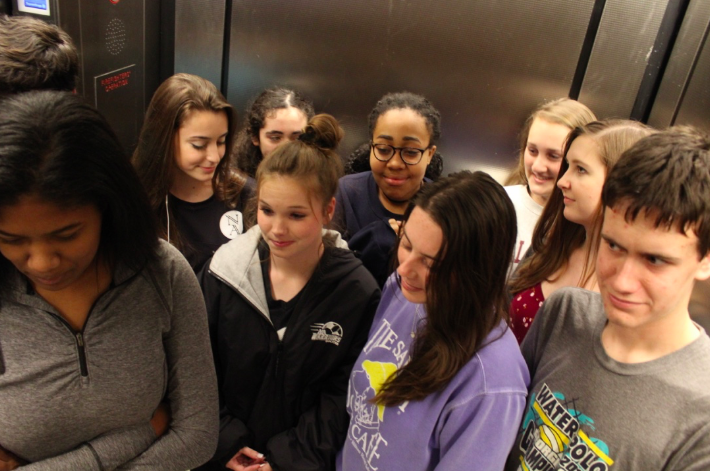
x=405 y=138
x=667 y=258
x=206 y=138
x=289 y=207
x=66 y=228
x=404 y=231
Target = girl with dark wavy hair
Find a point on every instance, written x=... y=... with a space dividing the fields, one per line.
x=276 y=116
x=441 y=382
x=105 y=359
x=194 y=189
x=289 y=310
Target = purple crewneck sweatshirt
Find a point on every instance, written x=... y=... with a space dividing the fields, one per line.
x=470 y=424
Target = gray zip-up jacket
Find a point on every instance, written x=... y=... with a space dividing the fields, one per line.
x=83 y=400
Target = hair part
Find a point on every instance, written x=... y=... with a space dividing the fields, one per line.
x=466 y=295
x=555 y=237
x=666 y=176
x=59 y=148
x=264 y=106
x=35 y=55
x=564 y=111
x=173 y=103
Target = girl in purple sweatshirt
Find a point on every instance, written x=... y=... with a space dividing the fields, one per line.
x=441 y=383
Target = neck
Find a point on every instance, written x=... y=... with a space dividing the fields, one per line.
x=302 y=266
x=393 y=206
x=650 y=342
x=190 y=190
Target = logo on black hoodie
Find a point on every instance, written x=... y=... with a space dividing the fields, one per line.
x=330 y=332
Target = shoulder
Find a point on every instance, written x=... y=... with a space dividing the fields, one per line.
x=341 y=266
x=354 y=183
x=499 y=364
x=576 y=306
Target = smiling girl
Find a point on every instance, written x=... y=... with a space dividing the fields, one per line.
x=289 y=309
x=542 y=142
x=197 y=194
x=404 y=129
x=566 y=239
x=441 y=382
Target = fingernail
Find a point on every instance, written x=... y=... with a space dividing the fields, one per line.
x=261 y=455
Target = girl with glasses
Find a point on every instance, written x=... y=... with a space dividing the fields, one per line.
x=441 y=382
x=289 y=310
x=404 y=129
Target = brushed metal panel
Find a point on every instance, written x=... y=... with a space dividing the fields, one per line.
x=484 y=65
x=694 y=109
x=199 y=38
x=681 y=64
x=625 y=39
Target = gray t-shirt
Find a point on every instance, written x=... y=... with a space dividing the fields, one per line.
x=587 y=411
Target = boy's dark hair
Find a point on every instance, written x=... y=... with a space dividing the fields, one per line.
x=667 y=176
x=35 y=55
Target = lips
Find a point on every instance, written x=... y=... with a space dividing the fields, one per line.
x=395 y=181
x=281 y=243
x=47 y=280
x=621 y=303
x=540 y=180
x=409 y=287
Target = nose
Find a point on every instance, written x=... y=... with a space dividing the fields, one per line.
x=539 y=165
x=42 y=259
x=405 y=266
x=278 y=226
x=624 y=278
x=215 y=153
x=563 y=183
x=396 y=161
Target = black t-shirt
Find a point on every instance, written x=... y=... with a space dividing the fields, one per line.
x=206 y=225
x=279 y=311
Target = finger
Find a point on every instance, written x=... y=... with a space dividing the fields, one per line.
x=253 y=454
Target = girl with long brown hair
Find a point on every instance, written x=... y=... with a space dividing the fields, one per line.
x=194 y=189
x=566 y=238
x=441 y=382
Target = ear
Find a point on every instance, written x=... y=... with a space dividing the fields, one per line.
x=703 y=272
x=329 y=210
x=255 y=141
x=432 y=151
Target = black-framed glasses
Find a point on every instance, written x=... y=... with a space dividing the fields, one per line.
x=409 y=155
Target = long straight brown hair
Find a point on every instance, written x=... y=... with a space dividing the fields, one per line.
x=466 y=296
x=154 y=157
x=555 y=238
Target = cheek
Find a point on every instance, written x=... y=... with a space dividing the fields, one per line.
x=375 y=165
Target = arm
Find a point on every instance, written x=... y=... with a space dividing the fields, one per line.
x=321 y=430
x=233 y=433
x=479 y=434
x=191 y=393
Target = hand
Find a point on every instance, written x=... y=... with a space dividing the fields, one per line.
x=8 y=461
x=248 y=460
x=160 y=420
x=395 y=225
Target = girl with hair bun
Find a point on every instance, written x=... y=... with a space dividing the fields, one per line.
x=197 y=194
x=441 y=382
x=289 y=309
